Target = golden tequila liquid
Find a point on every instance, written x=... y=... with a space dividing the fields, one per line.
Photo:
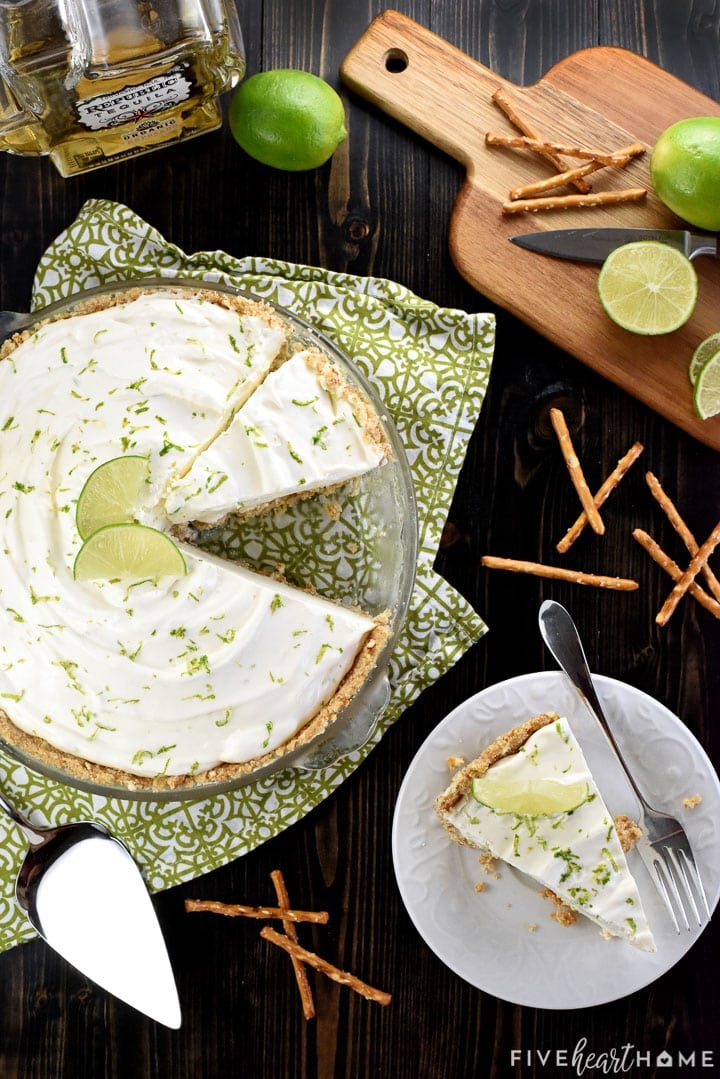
x=90 y=82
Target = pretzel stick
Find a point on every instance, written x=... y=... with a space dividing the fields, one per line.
x=658 y=555
x=620 y=584
x=601 y=495
x=568 y=202
x=324 y=967
x=682 y=584
x=550 y=182
x=504 y=103
x=537 y=187
x=237 y=910
x=681 y=528
x=308 y=1004
x=576 y=473
x=495 y=138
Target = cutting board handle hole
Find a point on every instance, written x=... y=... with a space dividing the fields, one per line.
x=396 y=61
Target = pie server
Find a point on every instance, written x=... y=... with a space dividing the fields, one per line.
x=84 y=894
x=594 y=245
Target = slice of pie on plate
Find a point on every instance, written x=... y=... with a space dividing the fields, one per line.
x=531 y=800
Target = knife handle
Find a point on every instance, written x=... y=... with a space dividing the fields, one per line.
x=426 y=83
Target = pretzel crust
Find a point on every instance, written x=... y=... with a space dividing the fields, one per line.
x=504 y=746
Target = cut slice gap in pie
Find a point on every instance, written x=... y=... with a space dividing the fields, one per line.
x=213 y=674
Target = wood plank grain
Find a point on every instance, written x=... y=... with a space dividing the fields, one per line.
x=241 y=1014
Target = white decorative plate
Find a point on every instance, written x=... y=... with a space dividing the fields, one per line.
x=487 y=937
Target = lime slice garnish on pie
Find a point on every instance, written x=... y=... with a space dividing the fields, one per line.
x=529 y=798
x=702 y=354
x=112 y=494
x=124 y=551
x=648 y=287
x=706 y=397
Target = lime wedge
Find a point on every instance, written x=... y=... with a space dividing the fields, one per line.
x=702 y=354
x=123 y=551
x=112 y=493
x=706 y=397
x=648 y=287
x=529 y=798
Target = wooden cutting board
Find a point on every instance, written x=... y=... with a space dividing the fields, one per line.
x=601 y=97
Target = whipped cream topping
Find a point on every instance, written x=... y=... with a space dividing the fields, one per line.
x=576 y=854
x=155 y=678
x=295 y=434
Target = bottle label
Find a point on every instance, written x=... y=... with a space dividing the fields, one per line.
x=134 y=102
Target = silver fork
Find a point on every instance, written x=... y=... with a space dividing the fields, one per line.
x=665 y=849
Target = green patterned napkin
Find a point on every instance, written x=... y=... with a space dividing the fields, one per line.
x=430 y=365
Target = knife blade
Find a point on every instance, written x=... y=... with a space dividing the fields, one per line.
x=594 y=245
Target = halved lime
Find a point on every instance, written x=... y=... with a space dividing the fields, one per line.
x=112 y=493
x=706 y=397
x=648 y=287
x=123 y=551
x=702 y=354
x=529 y=798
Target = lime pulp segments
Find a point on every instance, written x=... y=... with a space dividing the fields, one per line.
x=706 y=397
x=112 y=493
x=648 y=287
x=535 y=798
x=702 y=354
x=128 y=551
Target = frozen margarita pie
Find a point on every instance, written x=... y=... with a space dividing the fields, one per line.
x=531 y=800
x=215 y=669
x=303 y=430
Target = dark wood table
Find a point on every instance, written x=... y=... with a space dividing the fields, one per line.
x=384 y=210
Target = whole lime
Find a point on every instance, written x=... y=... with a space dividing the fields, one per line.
x=287 y=119
x=685 y=170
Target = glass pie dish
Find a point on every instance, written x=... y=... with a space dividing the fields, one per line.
x=360 y=551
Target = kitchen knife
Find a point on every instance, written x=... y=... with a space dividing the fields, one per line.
x=594 y=245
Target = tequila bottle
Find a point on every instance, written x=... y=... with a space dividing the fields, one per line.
x=91 y=82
